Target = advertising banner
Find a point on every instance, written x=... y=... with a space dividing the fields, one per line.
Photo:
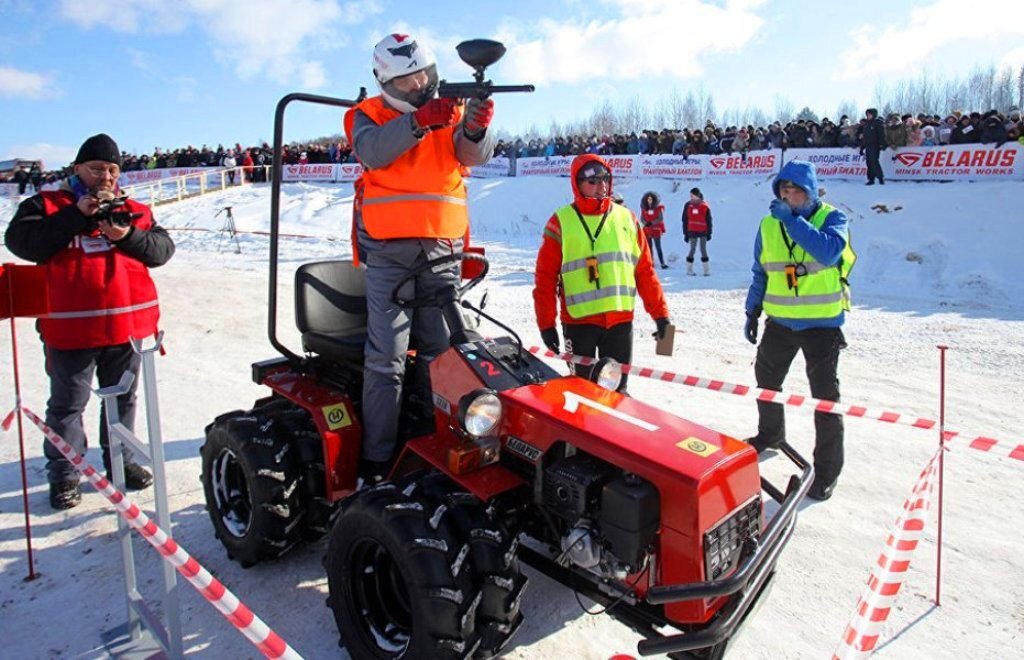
x=672 y=167
x=756 y=164
x=834 y=163
x=318 y=172
x=554 y=166
x=961 y=162
x=348 y=171
x=496 y=167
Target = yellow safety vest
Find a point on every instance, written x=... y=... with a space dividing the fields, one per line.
x=599 y=257
x=798 y=286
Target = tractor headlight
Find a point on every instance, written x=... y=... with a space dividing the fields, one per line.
x=480 y=412
x=607 y=373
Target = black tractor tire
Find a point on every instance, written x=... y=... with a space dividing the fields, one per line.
x=399 y=586
x=297 y=427
x=252 y=485
x=492 y=555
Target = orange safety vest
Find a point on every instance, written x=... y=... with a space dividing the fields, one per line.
x=419 y=195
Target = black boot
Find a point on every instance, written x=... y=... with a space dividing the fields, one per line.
x=136 y=477
x=65 y=495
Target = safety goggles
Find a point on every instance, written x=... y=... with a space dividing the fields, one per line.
x=596 y=179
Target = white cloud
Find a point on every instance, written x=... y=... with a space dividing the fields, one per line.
x=52 y=155
x=257 y=37
x=1013 y=59
x=639 y=38
x=896 y=48
x=26 y=84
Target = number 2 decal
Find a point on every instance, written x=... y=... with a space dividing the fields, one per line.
x=491 y=370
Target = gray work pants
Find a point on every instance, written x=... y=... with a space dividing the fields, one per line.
x=703 y=240
x=71 y=374
x=388 y=327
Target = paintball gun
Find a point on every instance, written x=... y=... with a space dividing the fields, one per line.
x=479 y=54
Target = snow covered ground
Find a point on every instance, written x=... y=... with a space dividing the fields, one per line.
x=939 y=264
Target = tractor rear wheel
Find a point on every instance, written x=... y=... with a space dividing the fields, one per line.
x=399 y=584
x=252 y=485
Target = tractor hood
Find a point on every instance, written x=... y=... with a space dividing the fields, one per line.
x=675 y=454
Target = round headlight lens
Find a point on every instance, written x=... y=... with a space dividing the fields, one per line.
x=482 y=414
x=608 y=374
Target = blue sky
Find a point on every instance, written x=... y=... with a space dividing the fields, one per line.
x=173 y=73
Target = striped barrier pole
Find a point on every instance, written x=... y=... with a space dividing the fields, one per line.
x=887 y=576
x=980 y=443
x=235 y=611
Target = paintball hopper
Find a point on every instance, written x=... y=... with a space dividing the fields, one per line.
x=479 y=54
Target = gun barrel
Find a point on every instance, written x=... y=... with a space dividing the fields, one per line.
x=447 y=90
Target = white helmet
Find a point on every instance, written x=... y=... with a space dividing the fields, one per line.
x=399 y=55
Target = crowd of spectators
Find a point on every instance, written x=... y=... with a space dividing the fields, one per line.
x=991 y=127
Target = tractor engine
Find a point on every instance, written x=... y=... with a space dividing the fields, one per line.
x=608 y=519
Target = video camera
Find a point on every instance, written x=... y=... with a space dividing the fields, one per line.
x=109 y=210
x=479 y=54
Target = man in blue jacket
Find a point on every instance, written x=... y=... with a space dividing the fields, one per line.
x=802 y=258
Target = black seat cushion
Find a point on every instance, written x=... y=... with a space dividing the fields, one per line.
x=330 y=309
x=336 y=346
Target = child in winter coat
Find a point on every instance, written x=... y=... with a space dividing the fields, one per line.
x=697 y=229
x=652 y=219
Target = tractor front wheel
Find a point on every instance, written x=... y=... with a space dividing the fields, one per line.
x=399 y=582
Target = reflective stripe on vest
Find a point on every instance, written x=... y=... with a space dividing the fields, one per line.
x=820 y=292
x=608 y=257
x=616 y=251
x=420 y=194
x=92 y=313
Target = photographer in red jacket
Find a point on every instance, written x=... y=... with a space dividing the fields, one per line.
x=97 y=246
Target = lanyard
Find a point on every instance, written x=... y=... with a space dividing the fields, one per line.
x=593 y=272
x=593 y=237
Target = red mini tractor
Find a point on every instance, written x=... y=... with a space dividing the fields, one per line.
x=658 y=518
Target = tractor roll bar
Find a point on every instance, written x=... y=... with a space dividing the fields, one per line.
x=275 y=206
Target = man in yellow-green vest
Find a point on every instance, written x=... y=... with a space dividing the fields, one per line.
x=594 y=260
x=802 y=258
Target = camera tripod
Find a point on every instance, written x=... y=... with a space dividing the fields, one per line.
x=229 y=229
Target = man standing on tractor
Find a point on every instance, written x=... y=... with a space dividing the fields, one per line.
x=410 y=207
x=594 y=259
x=802 y=258
x=97 y=247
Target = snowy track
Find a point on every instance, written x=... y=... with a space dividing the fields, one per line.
x=928 y=274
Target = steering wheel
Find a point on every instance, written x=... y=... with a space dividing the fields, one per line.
x=443 y=294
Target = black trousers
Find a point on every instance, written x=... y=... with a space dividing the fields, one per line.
x=775 y=354
x=595 y=341
x=874 y=167
x=71 y=374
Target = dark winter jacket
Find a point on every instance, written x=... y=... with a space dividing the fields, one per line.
x=873 y=138
x=32 y=239
x=965 y=133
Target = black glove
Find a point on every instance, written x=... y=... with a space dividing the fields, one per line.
x=709 y=238
x=550 y=338
x=751 y=330
x=662 y=325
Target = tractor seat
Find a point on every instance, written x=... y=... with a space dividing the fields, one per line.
x=330 y=310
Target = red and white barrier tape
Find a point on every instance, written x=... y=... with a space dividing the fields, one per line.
x=981 y=443
x=257 y=632
x=886 y=579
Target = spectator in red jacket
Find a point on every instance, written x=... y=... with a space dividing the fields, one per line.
x=247 y=164
x=652 y=217
x=697 y=229
x=594 y=260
